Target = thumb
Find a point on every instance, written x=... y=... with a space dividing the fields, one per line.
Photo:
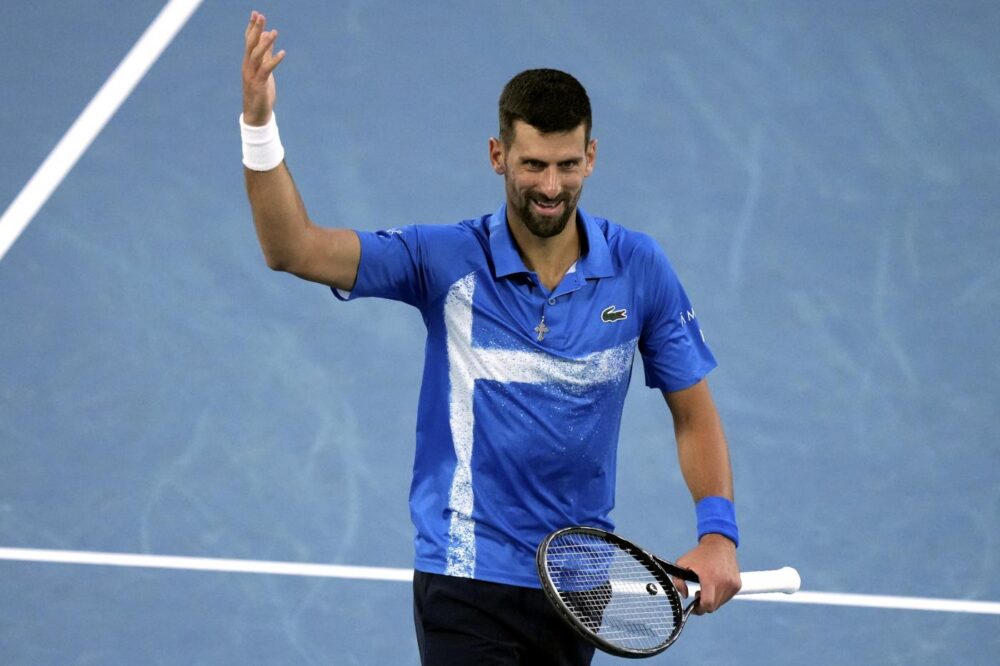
x=681 y=586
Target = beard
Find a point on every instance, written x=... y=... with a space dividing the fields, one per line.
x=542 y=226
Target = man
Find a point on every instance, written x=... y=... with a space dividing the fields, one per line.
x=533 y=316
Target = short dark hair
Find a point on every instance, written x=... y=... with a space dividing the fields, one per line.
x=547 y=99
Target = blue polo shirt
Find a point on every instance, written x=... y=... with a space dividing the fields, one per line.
x=523 y=388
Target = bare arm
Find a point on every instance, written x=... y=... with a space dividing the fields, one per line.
x=701 y=444
x=704 y=460
x=289 y=239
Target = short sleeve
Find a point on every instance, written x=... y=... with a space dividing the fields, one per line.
x=674 y=353
x=390 y=266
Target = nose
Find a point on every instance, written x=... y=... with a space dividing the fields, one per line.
x=550 y=185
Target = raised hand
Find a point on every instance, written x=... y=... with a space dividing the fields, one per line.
x=259 y=62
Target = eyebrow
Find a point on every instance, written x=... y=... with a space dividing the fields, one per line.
x=537 y=160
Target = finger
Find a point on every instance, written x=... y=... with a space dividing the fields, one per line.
x=270 y=64
x=728 y=592
x=263 y=47
x=254 y=31
x=259 y=55
x=271 y=60
x=682 y=587
x=706 y=600
x=274 y=62
x=251 y=24
x=700 y=606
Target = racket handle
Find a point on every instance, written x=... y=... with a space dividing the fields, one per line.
x=785 y=580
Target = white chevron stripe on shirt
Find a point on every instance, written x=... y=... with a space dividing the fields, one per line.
x=468 y=364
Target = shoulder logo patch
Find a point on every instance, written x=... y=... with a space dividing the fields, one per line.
x=609 y=314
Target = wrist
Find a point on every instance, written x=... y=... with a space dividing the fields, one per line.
x=717 y=516
x=257 y=109
x=256 y=119
x=714 y=539
x=262 y=149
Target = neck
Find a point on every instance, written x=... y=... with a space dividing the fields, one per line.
x=549 y=258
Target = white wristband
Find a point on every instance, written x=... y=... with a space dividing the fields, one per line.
x=262 y=149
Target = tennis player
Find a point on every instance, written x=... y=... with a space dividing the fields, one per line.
x=533 y=316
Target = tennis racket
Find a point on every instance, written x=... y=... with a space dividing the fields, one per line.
x=620 y=597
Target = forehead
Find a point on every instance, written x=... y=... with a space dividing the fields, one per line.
x=529 y=142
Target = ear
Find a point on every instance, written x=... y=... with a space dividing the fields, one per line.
x=497 y=155
x=591 y=157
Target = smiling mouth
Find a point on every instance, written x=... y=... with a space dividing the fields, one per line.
x=547 y=207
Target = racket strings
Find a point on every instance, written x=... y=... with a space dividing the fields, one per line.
x=616 y=593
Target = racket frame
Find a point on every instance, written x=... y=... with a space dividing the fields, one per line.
x=660 y=569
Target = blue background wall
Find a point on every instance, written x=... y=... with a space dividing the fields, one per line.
x=823 y=176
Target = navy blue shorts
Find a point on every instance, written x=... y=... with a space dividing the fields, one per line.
x=463 y=621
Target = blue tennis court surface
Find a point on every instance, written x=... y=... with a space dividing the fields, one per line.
x=826 y=179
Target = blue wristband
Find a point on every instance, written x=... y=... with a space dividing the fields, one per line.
x=717 y=515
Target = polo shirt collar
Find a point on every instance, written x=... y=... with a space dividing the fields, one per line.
x=595 y=263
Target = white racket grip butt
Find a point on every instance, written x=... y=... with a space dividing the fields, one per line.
x=785 y=580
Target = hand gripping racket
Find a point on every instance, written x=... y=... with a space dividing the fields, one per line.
x=620 y=597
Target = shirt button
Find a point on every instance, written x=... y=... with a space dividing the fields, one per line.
x=552 y=301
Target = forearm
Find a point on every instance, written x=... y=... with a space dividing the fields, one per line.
x=279 y=216
x=704 y=460
x=289 y=239
x=702 y=450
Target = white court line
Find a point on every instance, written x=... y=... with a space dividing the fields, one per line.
x=882 y=601
x=205 y=564
x=405 y=575
x=92 y=120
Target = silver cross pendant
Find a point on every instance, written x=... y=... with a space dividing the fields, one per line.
x=541 y=329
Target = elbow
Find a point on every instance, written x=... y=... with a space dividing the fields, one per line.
x=277 y=266
x=277 y=261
